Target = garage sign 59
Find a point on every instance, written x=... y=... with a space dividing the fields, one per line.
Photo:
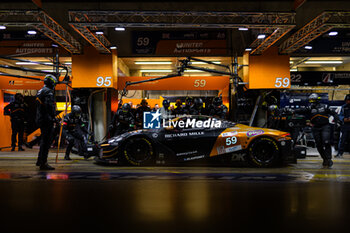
x=282 y=82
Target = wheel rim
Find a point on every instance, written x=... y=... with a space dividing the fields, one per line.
x=138 y=150
x=264 y=151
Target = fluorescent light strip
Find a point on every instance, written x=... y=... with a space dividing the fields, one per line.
x=27 y=63
x=261 y=36
x=2 y=27
x=155 y=71
x=323 y=62
x=293 y=70
x=203 y=63
x=334 y=33
x=119 y=29
x=153 y=62
x=194 y=71
x=31 y=32
x=243 y=29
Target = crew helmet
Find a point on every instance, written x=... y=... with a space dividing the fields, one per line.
x=198 y=102
x=347 y=97
x=144 y=102
x=76 y=110
x=19 y=97
x=272 y=108
x=126 y=107
x=166 y=103
x=217 y=101
x=50 y=81
x=189 y=100
x=314 y=98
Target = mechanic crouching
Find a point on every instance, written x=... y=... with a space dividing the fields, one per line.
x=344 y=116
x=319 y=114
x=123 y=121
x=217 y=108
x=75 y=131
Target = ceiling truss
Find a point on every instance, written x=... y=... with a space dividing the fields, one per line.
x=42 y=22
x=318 y=26
x=277 y=23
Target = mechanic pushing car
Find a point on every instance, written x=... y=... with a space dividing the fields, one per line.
x=46 y=118
x=139 y=113
x=217 y=108
x=123 y=121
x=18 y=113
x=75 y=130
x=344 y=116
x=319 y=114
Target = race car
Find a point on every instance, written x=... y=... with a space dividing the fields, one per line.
x=195 y=137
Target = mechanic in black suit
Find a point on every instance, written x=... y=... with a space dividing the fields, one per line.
x=344 y=116
x=46 y=118
x=319 y=114
x=18 y=113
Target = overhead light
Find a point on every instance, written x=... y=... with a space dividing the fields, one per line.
x=31 y=32
x=243 y=29
x=308 y=47
x=26 y=63
x=323 y=62
x=248 y=49
x=155 y=71
x=68 y=63
x=48 y=71
x=293 y=70
x=113 y=47
x=333 y=33
x=194 y=71
x=119 y=29
x=99 y=32
x=203 y=63
x=291 y=62
x=153 y=62
x=261 y=36
x=2 y=27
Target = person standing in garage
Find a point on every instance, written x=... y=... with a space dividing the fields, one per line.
x=46 y=118
x=344 y=116
x=321 y=128
x=18 y=113
x=178 y=111
x=197 y=107
x=139 y=113
x=217 y=109
x=165 y=111
x=123 y=121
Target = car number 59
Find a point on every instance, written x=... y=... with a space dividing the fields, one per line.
x=231 y=141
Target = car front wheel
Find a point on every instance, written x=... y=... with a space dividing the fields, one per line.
x=263 y=152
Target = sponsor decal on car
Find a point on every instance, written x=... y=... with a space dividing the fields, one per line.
x=174 y=135
x=255 y=132
x=223 y=150
x=152 y=120
x=229 y=134
x=187 y=153
x=193 y=158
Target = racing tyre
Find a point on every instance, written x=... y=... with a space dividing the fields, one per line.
x=263 y=152
x=138 y=151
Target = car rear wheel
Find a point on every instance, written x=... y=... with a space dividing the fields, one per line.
x=138 y=151
x=263 y=152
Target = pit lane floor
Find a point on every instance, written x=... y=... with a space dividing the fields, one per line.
x=80 y=195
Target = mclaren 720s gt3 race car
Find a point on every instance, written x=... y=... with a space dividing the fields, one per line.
x=193 y=137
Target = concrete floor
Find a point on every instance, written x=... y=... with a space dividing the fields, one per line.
x=80 y=195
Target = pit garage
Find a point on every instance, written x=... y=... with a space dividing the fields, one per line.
x=178 y=116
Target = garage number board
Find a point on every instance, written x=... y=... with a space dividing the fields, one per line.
x=104 y=81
